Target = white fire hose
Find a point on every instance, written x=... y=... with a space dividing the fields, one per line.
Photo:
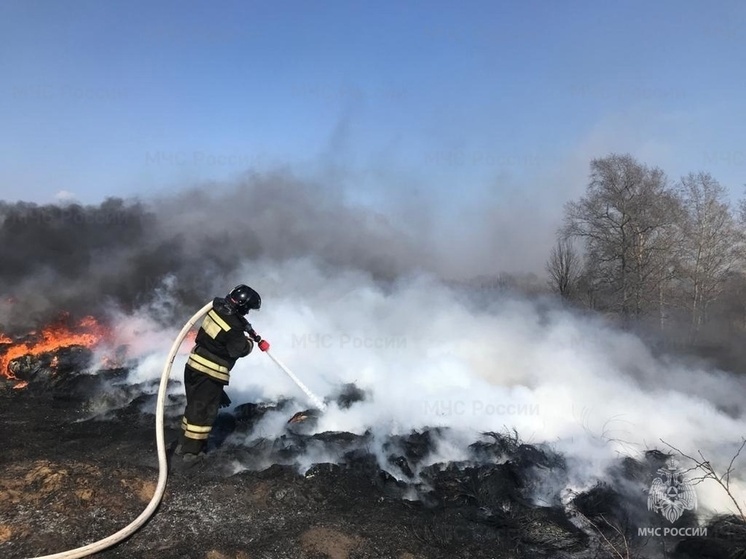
x=130 y=529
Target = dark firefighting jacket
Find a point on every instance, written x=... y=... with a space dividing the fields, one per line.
x=220 y=342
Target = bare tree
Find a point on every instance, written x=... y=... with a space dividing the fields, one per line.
x=710 y=244
x=626 y=220
x=564 y=267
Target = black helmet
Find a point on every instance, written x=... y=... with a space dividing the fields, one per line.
x=242 y=298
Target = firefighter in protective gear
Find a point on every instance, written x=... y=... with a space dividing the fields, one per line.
x=221 y=340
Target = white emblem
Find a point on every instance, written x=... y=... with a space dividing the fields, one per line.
x=670 y=494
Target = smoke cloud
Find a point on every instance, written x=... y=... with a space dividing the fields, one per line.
x=352 y=297
x=429 y=355
x=89 y=258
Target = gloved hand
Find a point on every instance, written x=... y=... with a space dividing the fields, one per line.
x=252 y=333
x=224 y=400
x=263 y=344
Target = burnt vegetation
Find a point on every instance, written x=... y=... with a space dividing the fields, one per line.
x=93 y=468
x=662 y=258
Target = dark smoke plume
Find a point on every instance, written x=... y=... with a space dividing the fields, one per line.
x=82 y=259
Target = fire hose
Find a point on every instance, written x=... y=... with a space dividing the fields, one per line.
x=131 y=528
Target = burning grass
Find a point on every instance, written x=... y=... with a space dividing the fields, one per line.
x=63 y=333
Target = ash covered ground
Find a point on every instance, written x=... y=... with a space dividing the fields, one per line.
x=79 y=463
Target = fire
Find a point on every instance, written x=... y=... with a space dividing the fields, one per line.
x=189 y=341
x=88 y=332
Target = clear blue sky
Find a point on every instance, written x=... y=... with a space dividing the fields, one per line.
x=496 y=99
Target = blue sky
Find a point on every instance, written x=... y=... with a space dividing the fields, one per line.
x=461 y=103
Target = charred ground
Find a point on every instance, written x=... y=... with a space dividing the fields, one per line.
x=79 y=463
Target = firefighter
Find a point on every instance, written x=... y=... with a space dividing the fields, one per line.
x=224 y=336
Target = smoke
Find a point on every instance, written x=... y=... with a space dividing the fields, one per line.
x=352 y=297
x=428 y=357
x=85 y=259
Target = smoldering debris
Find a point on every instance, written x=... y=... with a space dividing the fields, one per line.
x=393 y=503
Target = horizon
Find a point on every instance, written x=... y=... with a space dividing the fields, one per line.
x=439 y=116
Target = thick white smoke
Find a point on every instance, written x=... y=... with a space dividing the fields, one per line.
x=429 y=356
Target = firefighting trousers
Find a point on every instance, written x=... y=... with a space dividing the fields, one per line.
x=203 y=401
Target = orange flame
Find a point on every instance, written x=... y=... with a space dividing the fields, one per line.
x=88 y=332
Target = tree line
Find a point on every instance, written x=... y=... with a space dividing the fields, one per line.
x=648 y=250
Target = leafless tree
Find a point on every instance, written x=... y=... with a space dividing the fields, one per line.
x=626 y=220
x=710 y=245
x=564 y=268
